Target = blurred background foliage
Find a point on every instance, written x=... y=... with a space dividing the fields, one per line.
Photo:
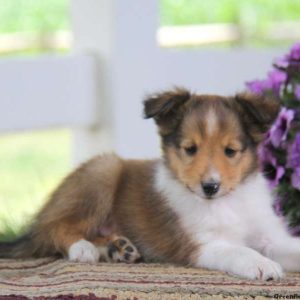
x=31 y=164
x=33 y=15
x=259 y=22
x=258 y=12
x=53 y=15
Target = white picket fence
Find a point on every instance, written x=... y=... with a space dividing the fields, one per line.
x=97 y=91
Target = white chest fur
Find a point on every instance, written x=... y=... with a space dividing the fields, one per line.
x=237 y=217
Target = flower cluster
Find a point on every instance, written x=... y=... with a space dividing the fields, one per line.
x=280 y=151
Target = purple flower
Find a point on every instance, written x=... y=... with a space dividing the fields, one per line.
x=293 y=61
x=279 y=131
x=273 y=173
x=294 y=52
x=293 y=55
x=297 y=91
x=279 y=153
x=258 y=87
x=271 y=169
x=282 y=62
x=293 y=160
x=276 y=78
x=273 y=83
x=296 y=178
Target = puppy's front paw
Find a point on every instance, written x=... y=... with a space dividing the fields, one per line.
x=83 y=251
x=259 y=267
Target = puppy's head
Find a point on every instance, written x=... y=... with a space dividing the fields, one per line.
x=210 y=142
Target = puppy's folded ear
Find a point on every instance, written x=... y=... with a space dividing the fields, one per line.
x=257 y=113
x=166 y=108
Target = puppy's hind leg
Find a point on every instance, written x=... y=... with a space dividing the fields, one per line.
x=77 y=208
x=71 y=241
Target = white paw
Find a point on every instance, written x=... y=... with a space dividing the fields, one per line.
x=259 y=267
x=83 y=251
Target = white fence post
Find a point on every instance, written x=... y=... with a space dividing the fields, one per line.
x=92 y=34
x=116 y=33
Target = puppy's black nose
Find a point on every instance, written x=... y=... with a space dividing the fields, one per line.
x=210 y=188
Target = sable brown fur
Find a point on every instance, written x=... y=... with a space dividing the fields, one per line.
x=108 y=191
x=104 y=191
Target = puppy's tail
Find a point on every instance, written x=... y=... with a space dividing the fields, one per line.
x=22 y=247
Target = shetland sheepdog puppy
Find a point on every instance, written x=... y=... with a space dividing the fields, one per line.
x=203 y=204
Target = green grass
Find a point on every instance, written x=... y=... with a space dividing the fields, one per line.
x=254 y=17
x=53 y=15
x=31 y=165
x=179 y=12
x=34 y=15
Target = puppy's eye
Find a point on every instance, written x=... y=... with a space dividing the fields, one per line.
x=192 y=150
x=229 y=152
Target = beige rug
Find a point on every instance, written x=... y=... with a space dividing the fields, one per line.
x=59 y=279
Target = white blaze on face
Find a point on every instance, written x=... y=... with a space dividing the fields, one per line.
x=211 y=122
x=215 y=175
x=212 y=175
